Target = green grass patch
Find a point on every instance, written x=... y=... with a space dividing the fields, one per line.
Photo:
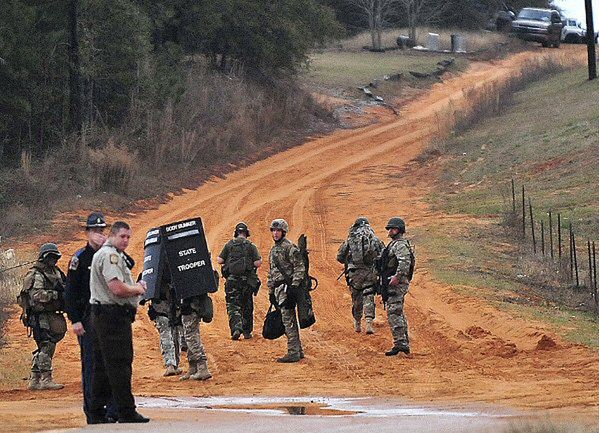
x=547 y=140
x=354 y=69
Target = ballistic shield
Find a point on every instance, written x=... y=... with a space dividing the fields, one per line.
x=189 y=259
x=153 y=264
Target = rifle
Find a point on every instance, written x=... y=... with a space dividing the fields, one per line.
x=17 y=266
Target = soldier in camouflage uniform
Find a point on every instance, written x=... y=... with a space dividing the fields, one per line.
x=166 y=315
x=358 y=253
x=194 y=310
x=287 y=272
x=240 y=259
x=400 y=266
x=42 y=299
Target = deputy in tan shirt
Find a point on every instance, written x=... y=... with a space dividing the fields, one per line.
x=114 y=299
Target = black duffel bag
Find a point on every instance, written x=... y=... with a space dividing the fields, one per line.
x=273 y=324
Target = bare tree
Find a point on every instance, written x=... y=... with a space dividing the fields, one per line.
x=377 y=12
x=421 y=12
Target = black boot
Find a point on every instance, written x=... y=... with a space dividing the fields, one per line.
x=289 y=358
x=135 y=417
x=396 y=349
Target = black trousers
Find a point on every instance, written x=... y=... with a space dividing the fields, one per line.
x=113 y=356
x=86 y=343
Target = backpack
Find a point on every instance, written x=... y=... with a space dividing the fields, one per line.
x=412 y=261
x=239 y=260
x=364 y=246
x=23 y=299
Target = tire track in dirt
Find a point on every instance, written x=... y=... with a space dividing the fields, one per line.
x=321 y=187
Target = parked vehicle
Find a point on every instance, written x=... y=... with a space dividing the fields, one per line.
x=539 y=25
x=573 y=33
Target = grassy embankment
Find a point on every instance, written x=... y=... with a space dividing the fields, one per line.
x=546 y=139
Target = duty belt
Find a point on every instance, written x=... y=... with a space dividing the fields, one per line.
x=126 y=310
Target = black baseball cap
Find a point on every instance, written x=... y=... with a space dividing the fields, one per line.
x=95 y=219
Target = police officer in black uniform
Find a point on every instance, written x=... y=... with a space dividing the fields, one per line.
x=77 y=296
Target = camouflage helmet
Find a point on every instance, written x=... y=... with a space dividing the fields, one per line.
x=361 y=221
x=396 y=223
x=242 y=227
x=49 y=248
x=279 y=224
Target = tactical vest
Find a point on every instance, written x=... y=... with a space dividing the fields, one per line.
x=53 y=285
x=239 y=260
x=392 y=261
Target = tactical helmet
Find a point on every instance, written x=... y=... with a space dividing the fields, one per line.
x=396 y=223
x=361 y=221
x=95 y=219
x=242 y=227
x=49 y=248
x=279 y=224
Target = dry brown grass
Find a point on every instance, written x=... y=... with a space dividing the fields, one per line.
x=11 y=278
x=218 y=122
x=475 y=40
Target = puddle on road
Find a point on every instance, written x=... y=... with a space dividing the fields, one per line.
x=311 y=406
x=287 y=409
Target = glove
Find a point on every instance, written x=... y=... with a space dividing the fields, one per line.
x=273 y=299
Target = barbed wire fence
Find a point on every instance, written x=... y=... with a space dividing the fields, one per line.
x=547 y=238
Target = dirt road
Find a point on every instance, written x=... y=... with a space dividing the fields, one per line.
x=463 y=349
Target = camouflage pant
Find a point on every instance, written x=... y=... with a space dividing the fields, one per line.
x=42 y=358
x=240 y=306
x=169 y=341
x=362 y=303
x=191 y=331
x=46 y=337
x=294 y=345
x=397 y=319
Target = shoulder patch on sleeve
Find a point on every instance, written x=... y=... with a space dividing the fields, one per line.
x=114 y=259
x=74 y=264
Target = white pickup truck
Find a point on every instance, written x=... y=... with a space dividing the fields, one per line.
x=573 y=32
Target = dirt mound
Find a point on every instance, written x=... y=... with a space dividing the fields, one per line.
x=477 y=332
x=546 y=343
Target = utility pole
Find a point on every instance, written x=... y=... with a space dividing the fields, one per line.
x=591 y=40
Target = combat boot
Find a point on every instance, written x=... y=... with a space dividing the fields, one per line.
x=193 y=369
x=357 y=326
x=34 y=381
x=289 y=358
x=202 y=372
x=247 y=335
x=171 y=370
x=236 y=335
x=369 y=328
x=396 y=349
x=47 y=382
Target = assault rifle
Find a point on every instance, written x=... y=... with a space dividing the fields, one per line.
x=385 y=274
x=17 y=266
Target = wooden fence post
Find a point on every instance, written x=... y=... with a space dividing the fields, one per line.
x=575 y=255
x=559 y=236
x=542 y=237
x=532 y=227
x=590 y=264
x=513 y=197
x=523 y=215
x=551 y=235
x=595 y=279
x=571 y=254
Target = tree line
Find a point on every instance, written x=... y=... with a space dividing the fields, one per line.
x=66 y=65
